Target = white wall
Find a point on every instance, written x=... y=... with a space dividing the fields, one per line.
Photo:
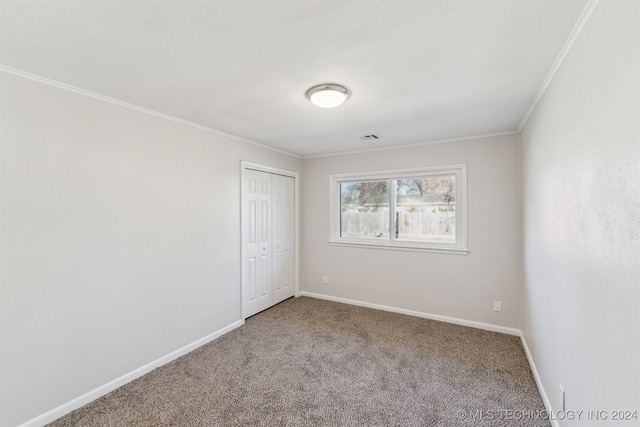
x=581 y=163
x=120 y=241
x=458 y=286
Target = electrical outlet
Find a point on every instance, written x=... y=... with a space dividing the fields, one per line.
x=497 y=306
x=562 y=398
x=325 y=280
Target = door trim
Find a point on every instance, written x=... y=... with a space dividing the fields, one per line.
x=296 y=227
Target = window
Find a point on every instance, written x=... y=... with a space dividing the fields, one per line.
x=411 y=209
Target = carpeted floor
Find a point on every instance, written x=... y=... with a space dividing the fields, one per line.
x=309 y=362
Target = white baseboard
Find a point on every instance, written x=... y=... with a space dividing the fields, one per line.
x=536 y=376
x=456 y=321
x=80 y=401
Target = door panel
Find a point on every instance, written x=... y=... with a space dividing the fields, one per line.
x=286 y=274
x=253 y=221
x=283 y=206
x=265 y=221
x=264 y=298
x=256 y=243
x=252 y=278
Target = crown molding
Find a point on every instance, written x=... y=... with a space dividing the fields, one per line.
x=577 y=29
x=80 y=91
x=419 y=144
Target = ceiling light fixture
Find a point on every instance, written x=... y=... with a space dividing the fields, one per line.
x=328 y=95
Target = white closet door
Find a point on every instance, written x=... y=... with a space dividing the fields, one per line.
x=257 y=244
x=268 y=239
x=283 y=242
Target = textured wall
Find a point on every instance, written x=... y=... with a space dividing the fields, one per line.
x=581 y=163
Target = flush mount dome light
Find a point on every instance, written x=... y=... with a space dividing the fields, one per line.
x=328 y=95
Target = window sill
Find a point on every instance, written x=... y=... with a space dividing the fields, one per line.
x=397 y=247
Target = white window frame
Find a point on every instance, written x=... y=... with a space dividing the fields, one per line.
x=460 y=245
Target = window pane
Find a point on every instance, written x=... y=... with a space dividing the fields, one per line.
x=364 y=209
x=426 y=209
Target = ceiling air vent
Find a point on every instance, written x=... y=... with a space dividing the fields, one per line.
x=370 y=137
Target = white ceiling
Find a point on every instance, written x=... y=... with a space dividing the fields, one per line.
x=419 y=71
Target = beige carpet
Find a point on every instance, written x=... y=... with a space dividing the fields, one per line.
x=309 y=362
